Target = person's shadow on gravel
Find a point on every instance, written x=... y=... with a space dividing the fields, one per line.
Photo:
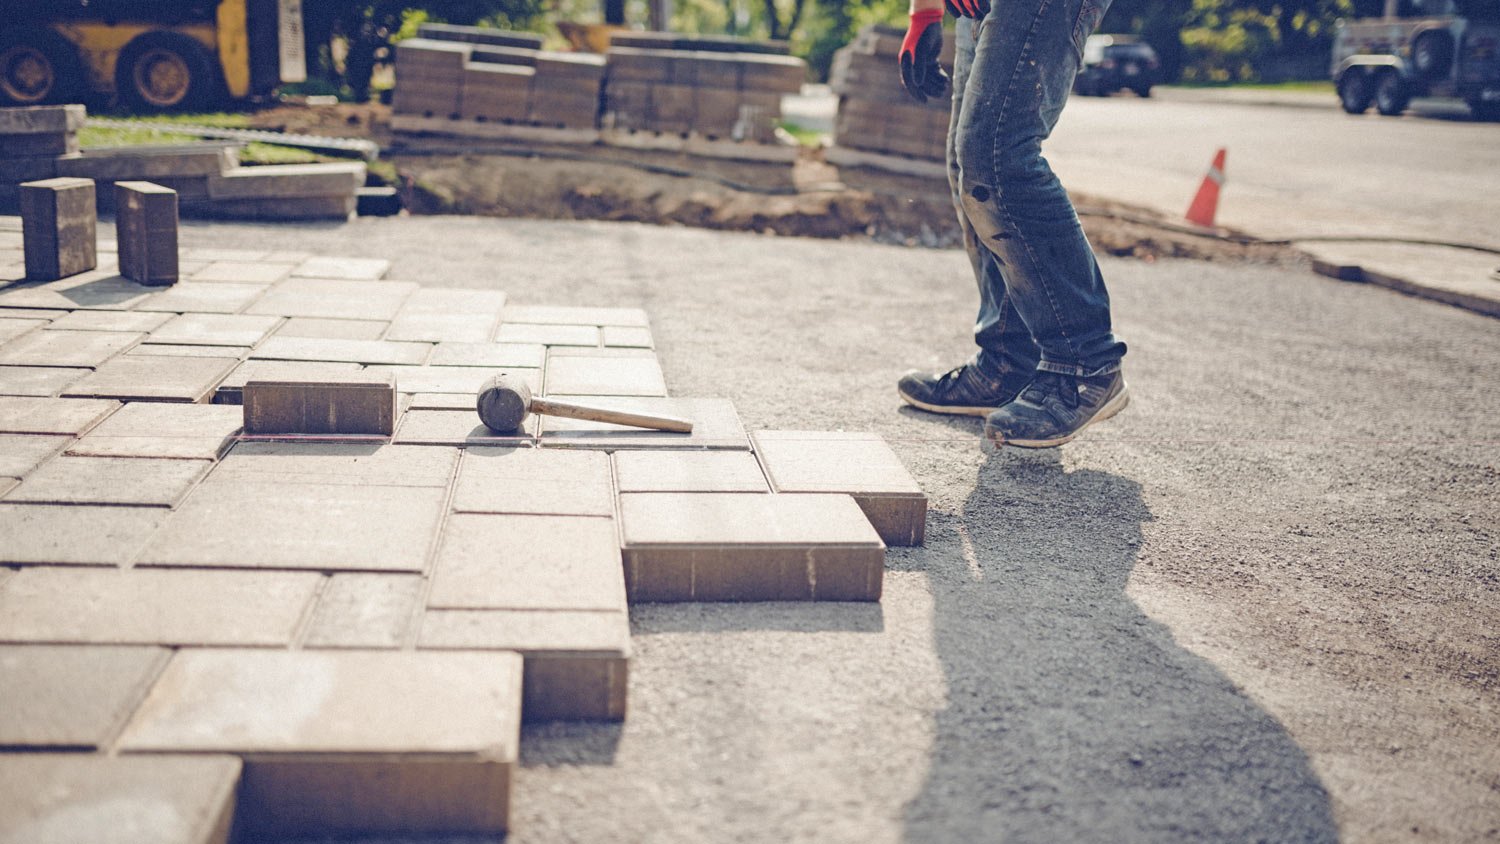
x=1071 y=715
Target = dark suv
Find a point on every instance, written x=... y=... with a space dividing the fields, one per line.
x=1114 y=62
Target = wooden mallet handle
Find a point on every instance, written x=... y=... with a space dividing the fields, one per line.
x=569 y=410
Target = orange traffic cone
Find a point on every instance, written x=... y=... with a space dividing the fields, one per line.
x=1206 y=203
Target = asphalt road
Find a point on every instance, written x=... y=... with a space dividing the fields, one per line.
x=1260 y=605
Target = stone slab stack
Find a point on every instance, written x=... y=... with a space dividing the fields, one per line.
x=708 y=87
x=875 y=113
x=31 y=142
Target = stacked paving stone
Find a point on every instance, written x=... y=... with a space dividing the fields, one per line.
x=492 y=76
x=719 y=88
x=875 y=113
x=246 y=615
x=41 y=142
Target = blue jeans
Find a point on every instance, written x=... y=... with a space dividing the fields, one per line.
x=1042 y=302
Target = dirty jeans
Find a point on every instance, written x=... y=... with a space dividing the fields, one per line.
x=1042 y=302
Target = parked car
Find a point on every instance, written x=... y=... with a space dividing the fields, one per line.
x=1115 y=62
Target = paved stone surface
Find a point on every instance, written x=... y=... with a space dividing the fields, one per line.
x=688 y=471
x=97 y=290
x=156 y=429
x=716 y=425
x=243 y=272
x=63 y=798
x=233 y=385
x=144 y=482
x=215 y=330
x=495 y=355
x=564 y=315
x=98 y=606
x=365 y=611
x=604 y=376
x=153 y=377
x=66 y=348
x=528 y=562
x=337 y=463
x=347 y=268
x=30 y=415
x=333 y=329
x=20 y=453
x=449 y=379
x=127 y=321
x=458 y=427
x=37 y=380
x=342 y=351
x=11 y=327
x=57 y=696
x=860 y=464
x=198 y=298
x=75 y=535
x=409 y=741
x=432 y=314
x=306 y=297
x=172 y=350
x=549 y=335
x=628 y=337
x=534 y=481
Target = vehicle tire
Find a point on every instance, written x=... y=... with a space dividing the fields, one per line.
x=1355 y=91
x=37 y=67
x=1391 y=94
x=1142 y=90
x=1484 y=112
x=1432 y=54
x=164 y=71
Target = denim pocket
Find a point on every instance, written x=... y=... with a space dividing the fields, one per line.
x=1089 y=15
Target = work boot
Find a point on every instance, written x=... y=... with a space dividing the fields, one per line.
x=962 y=391
x=1054 y=408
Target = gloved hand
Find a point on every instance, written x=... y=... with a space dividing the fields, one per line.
x=975 y=9
x=921 y=75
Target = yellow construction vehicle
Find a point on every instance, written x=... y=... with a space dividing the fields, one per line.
x=150 y=55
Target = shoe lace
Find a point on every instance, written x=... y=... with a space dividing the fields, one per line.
x=1064 y=387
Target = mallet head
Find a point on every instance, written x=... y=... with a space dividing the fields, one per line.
x=504 y=402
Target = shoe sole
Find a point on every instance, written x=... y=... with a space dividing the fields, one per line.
x=947 y=410
x=1114 y=406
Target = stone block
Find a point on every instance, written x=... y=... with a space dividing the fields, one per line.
x=528 y=562
x=13 y=327
x=146 y=230
x=129 y=321
x=52 y=798
x=69 y=696
x=242 y=272
x=75 y=535
x=688 y=471
x=716 y=425
x=633 y=64
x=20 y=453
x=283 y=181
x=154 y=378
x=334 y=329
x=433 y=314
x=334 y=299
x=494 y=355
x=105 y=606
x=320 y=527
x=350 y=351
x=628 y=337
x=781 y=74
x=40 y=381
x=465 y=380
x=162 y=429
x=39 y=145
x=346 y=269
x=152 y=162
x=577 y=663
x=568 y=315
x=749 y=547
x=604 y=376
x=438 y=401
x=495 y=92
x=548 y=335
x=231 y=389
x=348 y=740
x=280 y=209
x=31 y=415
x=365 y=611
x=66 y=348
x=459 y=428
x=859 y=464
x=359 y=403
x=42 y=120
x=58 y=220
x=200 y=298
x=215 y=330
x=174 y=350
x=534 y=481
x=339 y=464
x=142 y=482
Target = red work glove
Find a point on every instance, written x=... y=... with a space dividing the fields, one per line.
x=975 y=9
x=921 y=74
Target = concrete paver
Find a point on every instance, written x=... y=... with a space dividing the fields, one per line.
x=688 y=471
x=604 y=376
x=716 y=425
x=343 y=268
x=214 y=330
x=11 y=327
x=144 y=482
x=569 y=315
x=528 y=562
x=361 y=403
x=333 y=329
x=337 y=463
x=31 y=534
x=31 y=415
x=365 y=611
x=37 y=380
x=242 y=272
x=160 y=429
x=534 y=481
x=432 y=314
x=128 y=321
x=449 y=379
x=67 y=348
x=332 y=299
x=98 y=290
x=153 y=378
x=198 y=298
x=78 y=697
x=860 y=464
x=342 y=351
x=458 y=427
x=548 y=335
x=20 y=453
x=233 y=384
x=495 y=355
x=173 y=350
x=626 y=336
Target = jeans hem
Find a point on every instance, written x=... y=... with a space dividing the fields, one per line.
x=1076 y=370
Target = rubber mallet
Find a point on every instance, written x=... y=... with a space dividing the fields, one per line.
x=505 y=401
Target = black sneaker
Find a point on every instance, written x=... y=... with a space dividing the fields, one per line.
x=964 y=391
x=1054 y=408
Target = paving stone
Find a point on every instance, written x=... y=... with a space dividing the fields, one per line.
x=71 y=696
x=97 y=290
x=494 y=355
x=528 y=562
x=243 y=272
x=209 y=254
x=32 y=415
x=59 y=222
x=362 y=403
x=365 y=611
x=233 y=385
x=342 y=351
x=128 y=321
x=20 y=453
x=106 y=606
x=324 y=527
x=628 y=336
x=146 y=229
x=67 y=348
x=450 y=379
x=11 y=328
x=615 y=352
x=343 y=268
x=8 y=484
x=688 y=471
x=529 y=480
x=554 y=315
x=440 y=401
x=576 y=662
x=37 y=380
x=332 y=299
x=31 y=313
x=160 y=429
x=405 y=741
x=75 y=535
x=347 y=464
x=66 y=798
x=145 y=482
x=716 y=425
x=215 y=330
x=548 y=335
x=191 y=297
x=860 y=464
x=334 y=329
x=749 y=547
x=172 y=350
x=604 y=376
x=455 y=427
x=154 y=378
x=433 y=314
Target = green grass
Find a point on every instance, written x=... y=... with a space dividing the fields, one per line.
x=213 y=119
x=93 y=136
x=806 y=137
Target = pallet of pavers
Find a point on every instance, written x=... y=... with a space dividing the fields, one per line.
x=263 y=568
x=41 y=142
x=477 y=82
x=878 y=123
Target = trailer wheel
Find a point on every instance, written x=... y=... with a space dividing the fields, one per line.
x=163 y=71
x=1391 y=94
x=1432 y=54
x=1355 y=91
x=38 y=66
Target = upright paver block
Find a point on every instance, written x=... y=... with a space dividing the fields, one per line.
x=362 y=403
x=63 y=798
x=146 y=228
x=58 y=220
x=347 y=740
x=860 y=464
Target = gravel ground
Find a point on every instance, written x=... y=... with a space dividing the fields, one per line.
x=1260 y=605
